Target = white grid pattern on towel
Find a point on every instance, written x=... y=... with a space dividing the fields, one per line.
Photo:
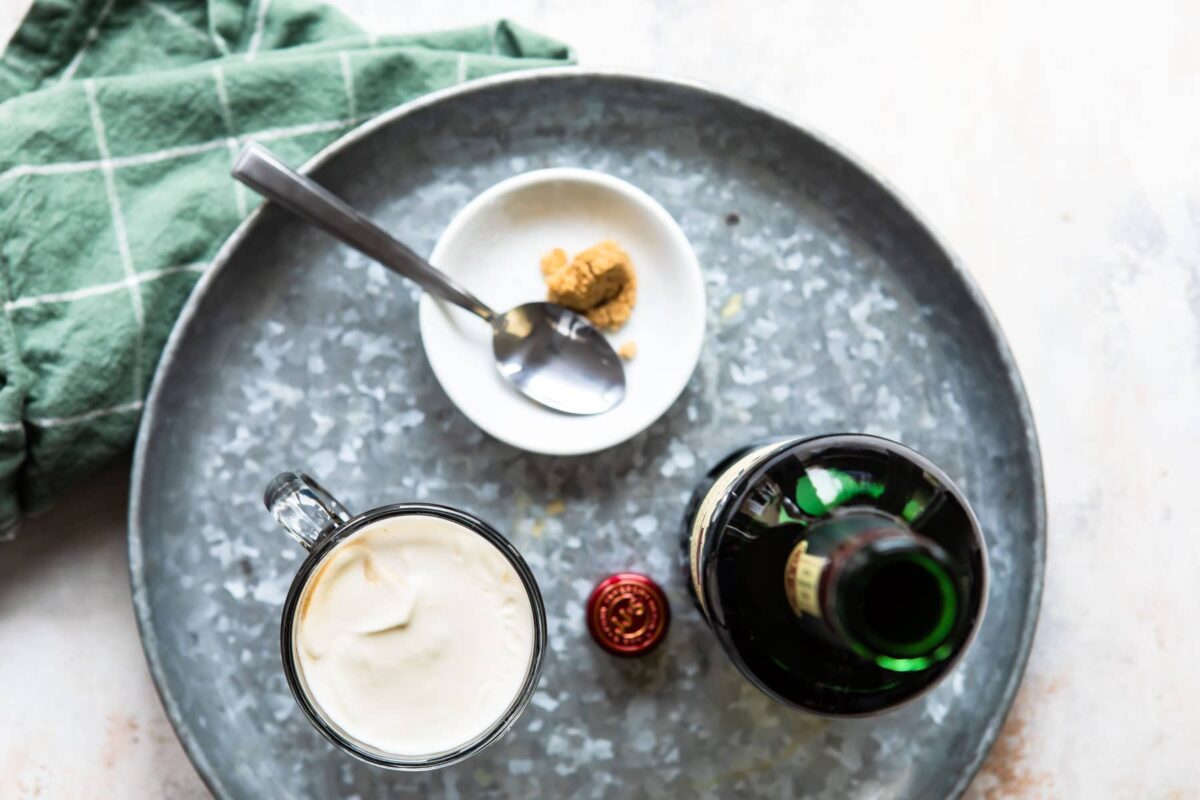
x=133 y=280
x=107 y=165
x=88 y=38
x=55 y=422
x=118 y=219
x=259 y=23
x=239 y=191
x=175 y=21
x=180 y=151
x=348 y=83
x=100 y=289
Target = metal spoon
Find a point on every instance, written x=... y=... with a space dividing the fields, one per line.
x=549 y=353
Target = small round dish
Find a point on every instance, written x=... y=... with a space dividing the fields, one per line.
x=495 y=245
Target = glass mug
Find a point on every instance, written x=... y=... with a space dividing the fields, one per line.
x=320 y=523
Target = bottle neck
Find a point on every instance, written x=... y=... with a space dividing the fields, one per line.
x=880 y=589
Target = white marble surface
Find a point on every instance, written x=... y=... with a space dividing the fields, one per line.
x=1054 y=147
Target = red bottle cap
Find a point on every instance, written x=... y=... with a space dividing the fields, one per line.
x=628 y=614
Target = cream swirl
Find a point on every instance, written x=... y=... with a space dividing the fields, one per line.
x=414 y=635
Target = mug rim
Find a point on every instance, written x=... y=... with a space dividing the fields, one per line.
x=379 y=757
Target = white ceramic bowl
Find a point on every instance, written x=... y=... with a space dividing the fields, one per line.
x=494 y=247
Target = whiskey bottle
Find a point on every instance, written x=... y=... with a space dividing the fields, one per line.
x=843 y=574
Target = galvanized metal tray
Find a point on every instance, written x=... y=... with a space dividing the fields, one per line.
x=831 y=307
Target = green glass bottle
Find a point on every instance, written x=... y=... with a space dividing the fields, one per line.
x=843 y=574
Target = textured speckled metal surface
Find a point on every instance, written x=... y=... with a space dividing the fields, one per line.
x=831 y=308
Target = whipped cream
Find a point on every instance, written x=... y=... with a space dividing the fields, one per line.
x=414 y=635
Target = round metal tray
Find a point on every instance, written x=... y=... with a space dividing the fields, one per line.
x=831 y=307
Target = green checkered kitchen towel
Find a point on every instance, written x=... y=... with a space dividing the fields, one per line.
x=119 y=120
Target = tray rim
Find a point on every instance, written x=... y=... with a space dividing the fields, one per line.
x=140 y=596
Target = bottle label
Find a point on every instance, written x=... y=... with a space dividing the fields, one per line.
x=708 y=506
x=802 y=580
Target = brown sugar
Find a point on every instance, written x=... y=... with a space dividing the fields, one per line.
x=599 y=282
x=627 y=351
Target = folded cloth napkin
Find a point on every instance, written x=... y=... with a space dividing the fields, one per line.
x=119 y=121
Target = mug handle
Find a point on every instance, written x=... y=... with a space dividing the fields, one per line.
x=304 y=508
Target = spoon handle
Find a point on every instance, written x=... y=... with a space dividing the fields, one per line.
x=263 y=172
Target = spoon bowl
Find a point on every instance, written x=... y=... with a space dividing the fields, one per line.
x=558 y=358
